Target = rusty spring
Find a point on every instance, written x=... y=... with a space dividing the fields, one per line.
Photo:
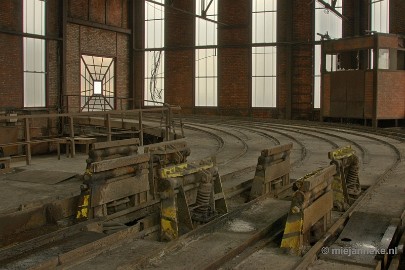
x=204 y=194
x=352 y=180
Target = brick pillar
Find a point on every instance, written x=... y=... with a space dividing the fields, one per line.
x=234 y=79
x=397 y=18
x=11 y=57
x=302 y=60
x=179 y=56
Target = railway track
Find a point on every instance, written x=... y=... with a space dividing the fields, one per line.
x=235 y=144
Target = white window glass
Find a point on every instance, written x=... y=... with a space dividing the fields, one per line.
x=154 y=58
x=384 y=59
x=206 y=73
x=264 y=58
x=34 y=54
x=326 y=23
x=380 y=16
x=97 y=88
x=154 y=78
x=97 y=83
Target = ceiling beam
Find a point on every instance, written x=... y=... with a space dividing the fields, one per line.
x=333 y=9
x=186 y=12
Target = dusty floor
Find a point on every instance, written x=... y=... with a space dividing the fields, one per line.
x=236 y=146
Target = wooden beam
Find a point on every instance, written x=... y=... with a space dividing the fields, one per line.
x=111 y=164
x=318 y=209
x=28 y=35
x=126 y=142
x=277 y=149
x=333 y=9
x=100 y=26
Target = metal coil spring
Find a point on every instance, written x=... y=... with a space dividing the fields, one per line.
x=203 y=198
x=352 y=180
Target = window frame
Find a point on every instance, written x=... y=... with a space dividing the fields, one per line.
x=33 y=67
x=268 y=43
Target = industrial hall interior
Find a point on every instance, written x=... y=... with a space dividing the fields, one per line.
x=202 y=134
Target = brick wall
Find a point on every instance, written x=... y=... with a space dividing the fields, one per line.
x=302 y=54
x=397 y=18
x=284 y=58
x=81 y=39
x=11 y=69
x=179 y=68
x=391 y=95
x=234 y=81
x=11 y=47
x=294 y=64
x=356 y=12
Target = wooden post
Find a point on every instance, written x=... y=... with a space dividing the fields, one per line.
x=27 y=140
x=140 y=127
x=72 y=136
x=108 y=127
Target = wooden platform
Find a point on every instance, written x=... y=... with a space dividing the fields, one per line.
x=77 y=141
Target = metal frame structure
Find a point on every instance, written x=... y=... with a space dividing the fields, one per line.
x=97 y=69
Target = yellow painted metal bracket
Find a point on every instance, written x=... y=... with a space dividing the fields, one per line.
x=183 y=169
x=341 y=153
x=83 y=209
x=292 y=238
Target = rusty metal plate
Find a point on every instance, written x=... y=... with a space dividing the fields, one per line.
x=363 y=234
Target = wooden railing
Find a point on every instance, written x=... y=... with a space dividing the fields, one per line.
x=68 y=119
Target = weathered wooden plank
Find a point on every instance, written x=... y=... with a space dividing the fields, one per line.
x=176 y=145
x=96 y=247
x=119 y=189
x=111 y=164
x=317 y=210
x=102 y=145
x=277 y=149
x=315 y=180
x=276 y=171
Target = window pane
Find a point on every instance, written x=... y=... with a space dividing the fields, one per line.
x=97 y=83
x=206 y=59
x=154 y=78
x=154 y=60
x=34 y=17
x=380 y=16
x=34 y=72
x=383 y=59
x=326 y=23
x=264 y=59
x=317 y=92
x=206 y=77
